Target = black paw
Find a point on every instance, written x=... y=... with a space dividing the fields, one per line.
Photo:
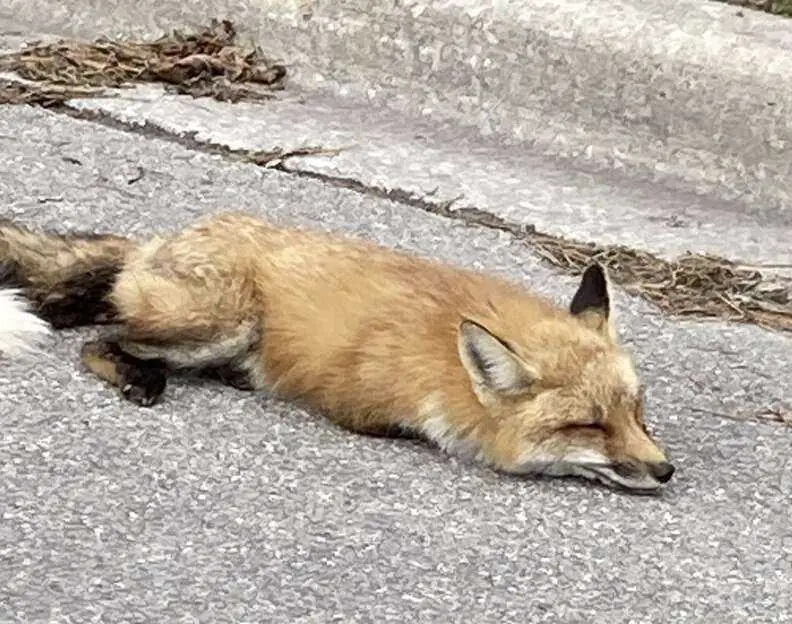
x=231 y=376
x=142 y=385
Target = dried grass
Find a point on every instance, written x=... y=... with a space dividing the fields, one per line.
x=208 y=63
x=699 y=285
x=777 y=7
x=46 y=96
x=694 y=285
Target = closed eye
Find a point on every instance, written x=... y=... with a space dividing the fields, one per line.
x=595 y=422
x=594 y=425
x=596 y=419
x=591 y=426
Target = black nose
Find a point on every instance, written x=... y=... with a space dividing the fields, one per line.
x=662 y=471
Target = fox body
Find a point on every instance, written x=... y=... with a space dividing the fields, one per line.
x=379 y=341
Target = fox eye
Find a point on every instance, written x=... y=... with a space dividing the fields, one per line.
x=591 y=426
x=594 y=422
x=596 y=419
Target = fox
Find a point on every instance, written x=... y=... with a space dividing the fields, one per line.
x=379 y=341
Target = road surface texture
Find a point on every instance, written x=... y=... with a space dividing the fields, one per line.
x=219 y=506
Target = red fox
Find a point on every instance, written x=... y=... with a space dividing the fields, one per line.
x=381 y=342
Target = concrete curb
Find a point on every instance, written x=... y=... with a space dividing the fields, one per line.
x=698 y=94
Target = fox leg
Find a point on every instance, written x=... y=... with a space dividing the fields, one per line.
x=232 y=375
x=140 y=381
x=183 y=306
x=139 y=367
x=376 y=429
x=140 y=370
x=371 y=424
x=229 y=355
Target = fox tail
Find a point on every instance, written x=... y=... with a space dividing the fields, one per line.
x=21 y=331
x=53 y=281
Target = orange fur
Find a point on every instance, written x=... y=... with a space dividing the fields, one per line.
x=378 y=340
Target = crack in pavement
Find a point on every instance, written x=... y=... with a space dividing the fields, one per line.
x=693 y=285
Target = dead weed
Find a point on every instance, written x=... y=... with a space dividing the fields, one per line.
x=208 y=63
x=695 y=285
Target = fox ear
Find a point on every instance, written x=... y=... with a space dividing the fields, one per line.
x=591 y=303
x=491 y=364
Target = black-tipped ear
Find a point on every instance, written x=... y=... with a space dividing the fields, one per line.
x=591 y=304
x=592 y=294
x=491 y=364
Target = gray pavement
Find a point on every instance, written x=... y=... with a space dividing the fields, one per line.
x=694 y=93
x=449 y=162
x=219 y=506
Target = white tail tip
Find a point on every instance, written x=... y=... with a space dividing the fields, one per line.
x=21 y=331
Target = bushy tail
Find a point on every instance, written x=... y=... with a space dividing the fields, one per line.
x=65 y=278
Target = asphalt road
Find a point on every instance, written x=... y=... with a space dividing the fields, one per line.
x=451 y=162
x=220 y=506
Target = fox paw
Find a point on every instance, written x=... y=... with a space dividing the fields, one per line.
x=142 y=385
x=230 y=376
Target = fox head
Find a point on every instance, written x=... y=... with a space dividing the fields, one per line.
x=563 y=397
